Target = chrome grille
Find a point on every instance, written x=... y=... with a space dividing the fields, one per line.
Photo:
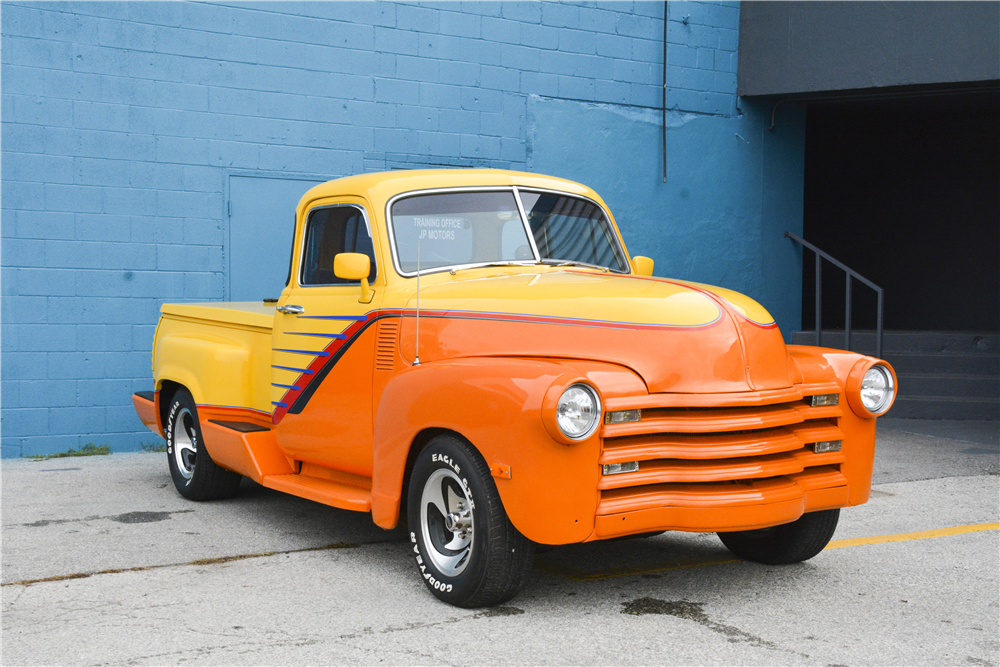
x=738 y=450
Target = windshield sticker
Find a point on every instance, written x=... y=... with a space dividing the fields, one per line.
x=439 y=229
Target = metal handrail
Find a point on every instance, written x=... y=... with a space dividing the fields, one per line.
x=851 y=273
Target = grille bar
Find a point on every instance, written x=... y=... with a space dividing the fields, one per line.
x=730 y=494
x=716 y=446
x=811 y=459
x=709 y=421
x=823 y=412
x=720 y=494
x=717 y=470
x=736 y=399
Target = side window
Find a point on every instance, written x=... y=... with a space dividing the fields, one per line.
x=330 y=231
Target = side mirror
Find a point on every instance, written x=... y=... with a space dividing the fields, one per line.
x=354 y=266
x=643 y=266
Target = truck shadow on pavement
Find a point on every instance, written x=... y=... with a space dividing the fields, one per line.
x=322 y=526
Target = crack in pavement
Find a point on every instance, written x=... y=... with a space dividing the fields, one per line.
x=9 y=604
x=416 y=625
x=200 y=561
x=380 y=651
x=492 y=612
x=244 y=645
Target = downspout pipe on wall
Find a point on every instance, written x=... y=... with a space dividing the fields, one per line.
x=664 y=107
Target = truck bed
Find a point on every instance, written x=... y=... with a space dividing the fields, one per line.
x=221 y=352
x=253 y=314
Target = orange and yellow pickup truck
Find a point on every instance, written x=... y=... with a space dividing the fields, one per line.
x=475 y=353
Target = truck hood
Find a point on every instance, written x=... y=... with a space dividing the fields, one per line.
x=678 y=336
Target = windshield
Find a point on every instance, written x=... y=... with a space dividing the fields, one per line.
x=458 y=229
x=573 y=230
x=464 y=229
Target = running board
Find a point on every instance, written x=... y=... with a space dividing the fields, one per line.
x=249 y=449
x=324 y=491
x=242 y=427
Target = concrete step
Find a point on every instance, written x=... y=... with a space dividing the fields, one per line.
x=913 y=385
x=942 y=374
x=908 y=342
x=962 y=364
x=941 y=407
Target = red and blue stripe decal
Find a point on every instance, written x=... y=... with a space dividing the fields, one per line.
x=298 y=393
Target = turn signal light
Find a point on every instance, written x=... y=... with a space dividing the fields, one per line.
x=622 y=416
x=619 y=468
x=827 y=446
x=823 y=400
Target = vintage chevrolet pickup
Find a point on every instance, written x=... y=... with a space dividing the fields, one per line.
x=475 y=351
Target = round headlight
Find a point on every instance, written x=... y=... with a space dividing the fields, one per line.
x=578 y=412
x=877 y=389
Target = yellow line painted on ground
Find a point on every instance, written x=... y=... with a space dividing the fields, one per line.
x=921 y=535
x=686 y=563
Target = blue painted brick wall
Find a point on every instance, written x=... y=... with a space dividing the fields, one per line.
x=122 y=120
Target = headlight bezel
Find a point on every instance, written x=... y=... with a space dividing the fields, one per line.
x=595 y=420
x=878 y=374
x=856 y=382
x=552 y=400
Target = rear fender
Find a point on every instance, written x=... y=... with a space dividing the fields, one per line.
x=549 y=489
x=215 y=369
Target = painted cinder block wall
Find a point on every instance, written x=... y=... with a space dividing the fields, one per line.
x=122 y=122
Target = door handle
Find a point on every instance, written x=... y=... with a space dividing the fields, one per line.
x=292 y=310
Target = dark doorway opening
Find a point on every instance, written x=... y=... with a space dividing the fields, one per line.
x=906 y=191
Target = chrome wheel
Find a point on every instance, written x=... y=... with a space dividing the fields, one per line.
x=466 y=549
x=446 y=522
x=185 y=444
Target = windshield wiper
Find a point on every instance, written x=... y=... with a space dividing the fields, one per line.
x=520 y=262
x=568 y=262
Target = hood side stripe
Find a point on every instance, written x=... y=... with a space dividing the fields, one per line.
x=295 y=401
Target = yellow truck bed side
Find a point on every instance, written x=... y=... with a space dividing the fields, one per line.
x=221 y=352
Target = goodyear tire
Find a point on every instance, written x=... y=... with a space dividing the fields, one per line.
x=789 y=543
x=467 y=551
x=195 y=474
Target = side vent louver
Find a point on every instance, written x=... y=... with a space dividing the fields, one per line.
x=385 y=347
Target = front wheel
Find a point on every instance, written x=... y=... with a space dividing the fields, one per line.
x=468 y=552
x=195 y=474
x=788 y=543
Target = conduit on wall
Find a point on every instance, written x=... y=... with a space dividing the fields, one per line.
x=664 y=107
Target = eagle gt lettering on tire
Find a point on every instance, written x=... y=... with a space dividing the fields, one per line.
x=467 y=551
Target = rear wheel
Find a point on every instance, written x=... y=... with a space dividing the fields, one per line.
x=468 y=552
x=788 y=543
x=195 y=474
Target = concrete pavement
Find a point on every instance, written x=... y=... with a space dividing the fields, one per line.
x=137 y=575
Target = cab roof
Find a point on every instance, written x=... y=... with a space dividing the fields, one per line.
x=379 y=187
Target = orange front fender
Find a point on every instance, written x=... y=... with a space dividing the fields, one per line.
x=819 y=364
x=549 y=489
